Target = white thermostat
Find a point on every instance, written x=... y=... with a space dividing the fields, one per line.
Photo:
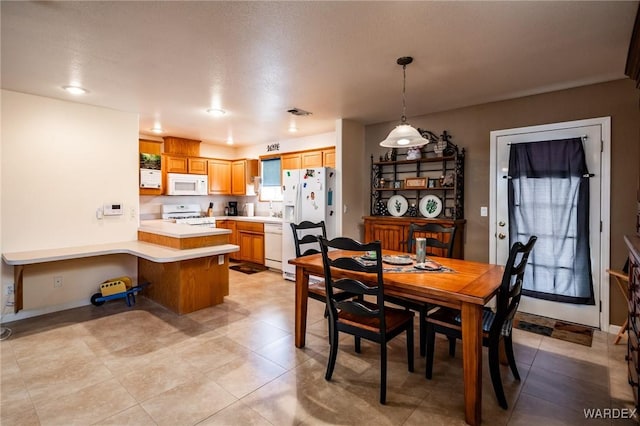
x=113 y=210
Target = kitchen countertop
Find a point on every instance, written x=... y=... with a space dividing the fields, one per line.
x=263 y=219
x=152 y=252
x=178 y=230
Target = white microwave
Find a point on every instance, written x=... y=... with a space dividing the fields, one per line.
x=183 y=184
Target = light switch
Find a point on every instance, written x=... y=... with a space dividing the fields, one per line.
x=221 y=259
x=484 y=211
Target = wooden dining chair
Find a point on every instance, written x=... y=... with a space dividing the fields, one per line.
x=305 y=238
x=439 y=238
x=496 y=325
x=366 y=319
x=439 y=243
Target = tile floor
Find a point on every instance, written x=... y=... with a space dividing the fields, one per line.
x=236 y=364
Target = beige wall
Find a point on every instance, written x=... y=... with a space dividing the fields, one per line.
x=470 y=129
x=61 y=161
x=349 y=145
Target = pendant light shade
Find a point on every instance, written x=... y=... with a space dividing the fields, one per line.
x=404 y=135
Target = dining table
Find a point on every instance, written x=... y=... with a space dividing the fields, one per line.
x=460 y=284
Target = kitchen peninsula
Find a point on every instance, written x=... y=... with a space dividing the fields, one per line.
x=187 y=267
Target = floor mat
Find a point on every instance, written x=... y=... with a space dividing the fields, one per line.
x=248 y=268
x=554 y=328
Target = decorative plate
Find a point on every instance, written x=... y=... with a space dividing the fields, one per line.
x=430 y=206
x=397 y=205
x=397 y=260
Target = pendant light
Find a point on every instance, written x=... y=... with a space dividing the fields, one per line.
x=404 y=135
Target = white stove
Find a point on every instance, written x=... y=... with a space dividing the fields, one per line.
x=189 y=214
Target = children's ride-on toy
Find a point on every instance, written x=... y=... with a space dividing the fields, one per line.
x=117 y=288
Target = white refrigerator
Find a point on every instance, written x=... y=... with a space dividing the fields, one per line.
x=307 y=194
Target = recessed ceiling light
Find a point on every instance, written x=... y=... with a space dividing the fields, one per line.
x=75 y=90
x=229 y=140
x=216 y=112
x=157 y=129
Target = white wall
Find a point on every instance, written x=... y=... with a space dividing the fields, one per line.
x=61 y=161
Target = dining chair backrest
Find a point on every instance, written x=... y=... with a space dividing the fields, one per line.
x=439 y=238
x=510 y=291
x=352 y=262
x=310 y=231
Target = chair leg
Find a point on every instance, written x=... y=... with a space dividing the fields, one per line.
x=383 y=373
x=357 y=344
x=508 y=348
x=431 y=343
x=423 y=320
x=333 y=350
x=410 y=347
x=494 y=368
x=452 y=346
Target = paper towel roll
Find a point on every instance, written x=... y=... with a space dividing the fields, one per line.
x=250 y=209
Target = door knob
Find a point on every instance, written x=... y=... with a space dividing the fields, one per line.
x=501 y=223
x=501 y=236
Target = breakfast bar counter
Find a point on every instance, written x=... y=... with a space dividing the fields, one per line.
x=186 y=266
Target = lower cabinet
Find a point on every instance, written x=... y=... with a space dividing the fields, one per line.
x=233 y=238
x=393 y=232
x=251 y=241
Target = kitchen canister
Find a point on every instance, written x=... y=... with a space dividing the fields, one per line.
x=421 y=249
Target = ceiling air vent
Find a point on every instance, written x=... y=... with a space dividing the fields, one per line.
x=299 y=112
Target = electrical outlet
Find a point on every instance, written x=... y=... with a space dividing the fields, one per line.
x=57 y=282
x=8 y=289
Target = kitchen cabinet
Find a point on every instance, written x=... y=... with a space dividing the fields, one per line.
x=393 y=232
x=233 y=237
x=291 y=161
x=311 y=159
x=189 y=165
x=329 y=157
x=150 y=147
x=219 y=174
x=242 y=174
x=197 y=166
x=251 y=241
x=325 y=157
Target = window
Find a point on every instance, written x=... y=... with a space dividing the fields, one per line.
x=271 y=184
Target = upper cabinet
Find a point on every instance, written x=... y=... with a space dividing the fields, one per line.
x=219 y=173
x=329 y=157
x=242 y=174
x=191 y=165
x=325 y=157
x=291 y=161
x=311 y=159
x=152 y=149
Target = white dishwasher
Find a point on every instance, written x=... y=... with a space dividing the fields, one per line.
x=273 y=245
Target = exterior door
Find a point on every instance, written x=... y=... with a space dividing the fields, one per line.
x=595 y=134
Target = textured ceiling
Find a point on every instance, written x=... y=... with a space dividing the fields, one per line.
x=170 y=61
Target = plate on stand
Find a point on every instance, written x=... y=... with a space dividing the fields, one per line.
x=430 y=206
x=397 y=205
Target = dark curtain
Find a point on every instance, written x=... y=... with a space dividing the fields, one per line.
x=549 y=197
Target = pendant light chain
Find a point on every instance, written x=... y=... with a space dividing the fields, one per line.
x=403 y=119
